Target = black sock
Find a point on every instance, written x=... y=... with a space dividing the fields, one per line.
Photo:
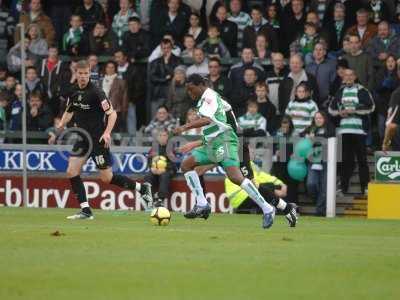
x=78 y=188
x=202 y=183
x=87 y=210
x=123 y=182
x=287 y=209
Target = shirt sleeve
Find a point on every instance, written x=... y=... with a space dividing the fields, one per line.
x=105 y=104
x=208 y=107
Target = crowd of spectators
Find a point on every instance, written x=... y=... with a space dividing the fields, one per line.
x=273 y=60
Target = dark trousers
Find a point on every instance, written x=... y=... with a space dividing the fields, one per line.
x=354 y=147
x=161 y=181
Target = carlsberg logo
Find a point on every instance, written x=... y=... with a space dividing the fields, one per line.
x=386 y=167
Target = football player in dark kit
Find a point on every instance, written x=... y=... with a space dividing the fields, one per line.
x=94 y=118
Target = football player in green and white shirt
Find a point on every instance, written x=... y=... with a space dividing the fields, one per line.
x=220 y=146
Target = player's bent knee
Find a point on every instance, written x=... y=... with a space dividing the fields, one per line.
x=72 y=173
x=105 y=177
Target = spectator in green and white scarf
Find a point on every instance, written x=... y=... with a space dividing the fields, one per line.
x=120 y=21
x=73 y=36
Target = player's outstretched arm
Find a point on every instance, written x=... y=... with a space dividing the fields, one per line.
x=66 y=117
x=106 y=137
x=203 y=121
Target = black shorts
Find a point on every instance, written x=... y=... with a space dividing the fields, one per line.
x=100 y=154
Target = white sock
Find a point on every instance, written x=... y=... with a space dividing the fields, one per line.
x=193 y=182
x=281 y=204
x=84 y=204
x=255 y=195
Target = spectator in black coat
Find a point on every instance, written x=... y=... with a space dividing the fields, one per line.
x=259 y=26
x=244 y=92
x=265 y=107
x=39 y=116
x=220 y=83
x=337 y=28
x=99 y=41
x=199 y=33
x=292 y=23
x=228 y=30
x=169 y=19
x=161 y=72
x=296 y=76
x=91 y=12
x=136 y=42
x=351 y=9
x=237 y=71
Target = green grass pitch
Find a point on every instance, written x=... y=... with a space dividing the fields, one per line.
x=120 y=255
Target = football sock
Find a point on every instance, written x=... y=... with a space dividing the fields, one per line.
x=281 y=204
x=193 y=182
x=126 y=183
x=86 y=208
x=255 y=195
x=202 y=183
x=79 y=190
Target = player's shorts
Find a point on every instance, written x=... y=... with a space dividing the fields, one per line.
x=100 y=154
x=222 y=150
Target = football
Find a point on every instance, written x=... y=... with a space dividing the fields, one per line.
x=160 y=216
x=159 y=163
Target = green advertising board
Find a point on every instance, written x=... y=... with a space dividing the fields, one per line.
x=387 y=166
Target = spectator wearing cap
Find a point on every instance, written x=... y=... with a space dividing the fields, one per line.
x=116 y=92
x=91 y=12
x=136 y=41
x=292 y=20
x=37 y=44
x=7 y=27
x=228 y=30
x=383 y=44
x=244 y=92
x=169 y=19
x=237 y=71
x=323 y=69
x=213 y=46
x=99 y=41
x=257 y=26
x=220 y=83
x=178 y=101
x=157 y=52
x=337 y=28
x=364 y=29
x=195 y=29
x=163 y=120
x=200 y=65
x=120 y=21
x=36 y=15
x=161 y=72
x=360 y=62
x=297 y=75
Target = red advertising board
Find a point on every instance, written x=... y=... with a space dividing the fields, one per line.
x=56 y=192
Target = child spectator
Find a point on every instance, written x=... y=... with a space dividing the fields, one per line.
x=253 y=123
x=72 y=38
x=265 y=107
x=162 y=169
x=9 y=87
x=282 y=153
x=95 y=75
x=302 y=108
x=272 y=16
x=306 y=42
x=189 y=43
x=195 y=29
x=316 y=177
x=213 y=45
x=16 y=110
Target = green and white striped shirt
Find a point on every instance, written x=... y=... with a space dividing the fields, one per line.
x=352 y=124
x=256 y=121
x=302 y=113
x=211 y=105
